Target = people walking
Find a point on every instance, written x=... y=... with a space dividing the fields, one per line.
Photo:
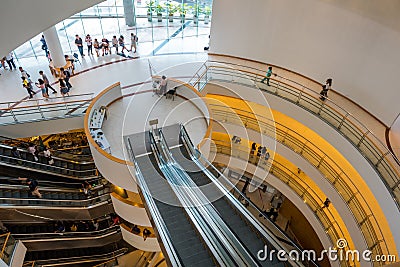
x=44 y=45
x=40 y=84
x=10 y=61
x=47 y=83
x=267 y=76
x=325 y=88
x=28 y=86
x=89 y=44
x=25 y=74
x=134 y=40
x=65 y=75
x=79 y=44
x=105 y=44
x=121 y=43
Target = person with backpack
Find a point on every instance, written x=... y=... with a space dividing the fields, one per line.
x=63 y=88
x=65 y=75
x=134 y=40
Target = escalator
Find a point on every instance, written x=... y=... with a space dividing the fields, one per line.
x=182 y=235
x=62 y=169
x=218 y=234
x=17 y=203
x=78 y=256
x=245 y=227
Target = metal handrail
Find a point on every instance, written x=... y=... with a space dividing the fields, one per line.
x=60 y=202
x=155 y=213
x=92 y=172
x=202 y=216
x=81 y=259
x=371 y=147
x=49 y=182
x=14 y=103
x=223 y=184
x=15 y=110
x=309 y=151
x=35 y=237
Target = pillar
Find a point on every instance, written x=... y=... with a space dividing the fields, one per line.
x=54 y=46
x=129 y=12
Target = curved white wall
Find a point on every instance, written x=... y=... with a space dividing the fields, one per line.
x=137 y=241
x=354 y=42
x=132 y=214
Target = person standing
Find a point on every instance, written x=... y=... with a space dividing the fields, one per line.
x=47 y=155
x=28 y=86
x=121 y=43
x=10 y=61
x=96 y=46
x=134 y=40
x=114 y=42
x=79 y=44
x=268 y=76
x=105 y=44
x=163 y=85
x=89 y=44
x=47 y=83
x=64 y=74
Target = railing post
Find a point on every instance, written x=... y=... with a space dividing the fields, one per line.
x=362 y=138
x=12 y=112
x=381 y=158
x=40 y=110
x=343 y=120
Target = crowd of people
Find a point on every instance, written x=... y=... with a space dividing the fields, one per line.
x=104 y=45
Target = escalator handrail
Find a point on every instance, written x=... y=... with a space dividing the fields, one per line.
x=162 y=229
x=68 y=236
x=96 y=200
x=50 y=189
x=81 y=259
x=42 y=164
x=228 y=246
x=265 y=232
x=56 y=184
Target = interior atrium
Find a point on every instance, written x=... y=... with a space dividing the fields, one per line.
x=199 y=133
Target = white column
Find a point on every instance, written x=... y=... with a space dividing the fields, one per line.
x=54 y=45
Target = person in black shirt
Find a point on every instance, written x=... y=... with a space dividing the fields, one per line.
x=79 y=44
x=33 y=186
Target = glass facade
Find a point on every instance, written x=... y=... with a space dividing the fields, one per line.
x=190 y=19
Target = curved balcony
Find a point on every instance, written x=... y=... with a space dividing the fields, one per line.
x=302 y=186
x=368 y=223
x=138 y=241
x=306 y=96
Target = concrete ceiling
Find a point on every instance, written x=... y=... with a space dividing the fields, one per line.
x=20 y=20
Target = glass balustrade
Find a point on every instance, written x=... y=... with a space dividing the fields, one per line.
x=7 y=245
x=40 y=109
x=291 y=179
x=330 y=169
x=370 y=146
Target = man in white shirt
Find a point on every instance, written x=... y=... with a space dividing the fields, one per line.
x=10 y=61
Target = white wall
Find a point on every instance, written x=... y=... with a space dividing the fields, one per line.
x=354 y=42
x=21 y=20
